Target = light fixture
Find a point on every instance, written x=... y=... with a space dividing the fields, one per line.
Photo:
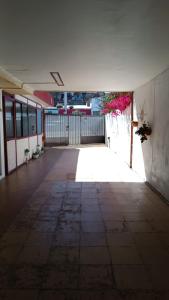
x=57 y=78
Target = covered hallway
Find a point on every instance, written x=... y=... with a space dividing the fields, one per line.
x=81 y=225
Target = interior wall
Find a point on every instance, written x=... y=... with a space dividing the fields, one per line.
x=21 y=145
x=118 y=134
x=32 y=144
x=2 y=166
x=151 y=104
x=11 y=154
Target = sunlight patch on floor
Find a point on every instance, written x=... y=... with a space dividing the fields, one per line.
x=100 y=164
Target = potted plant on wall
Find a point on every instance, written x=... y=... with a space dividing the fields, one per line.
x=35 y=154
x=144 y=131
x=27 y=151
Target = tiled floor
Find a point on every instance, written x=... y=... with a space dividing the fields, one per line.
x=87 y=239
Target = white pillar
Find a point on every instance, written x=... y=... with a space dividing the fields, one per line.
x=65 y=101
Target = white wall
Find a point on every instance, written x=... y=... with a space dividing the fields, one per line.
x=21 y=145
x=152 y=104
x=32 y=144
x=118 y=130
x=2 y=159
x=11 y=153
x=40 y=140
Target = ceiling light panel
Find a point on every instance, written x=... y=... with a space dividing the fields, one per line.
x=57 y=78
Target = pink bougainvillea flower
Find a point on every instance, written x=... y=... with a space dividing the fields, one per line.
x=117 y=105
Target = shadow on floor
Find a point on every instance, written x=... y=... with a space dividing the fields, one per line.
x=17 y=188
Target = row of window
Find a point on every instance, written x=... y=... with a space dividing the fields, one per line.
x=22 y=120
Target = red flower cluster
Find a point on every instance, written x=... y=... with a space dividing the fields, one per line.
x=116 y=106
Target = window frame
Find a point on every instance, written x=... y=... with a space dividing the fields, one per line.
x=35 y=108
x=41 y=114
x=25 y=136
x=12 y=99
x=18 y=137
x=8 y=97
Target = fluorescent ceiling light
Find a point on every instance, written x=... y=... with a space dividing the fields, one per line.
x=57 y=78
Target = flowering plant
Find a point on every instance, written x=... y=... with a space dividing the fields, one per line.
x=115 y=104
x=144 y=131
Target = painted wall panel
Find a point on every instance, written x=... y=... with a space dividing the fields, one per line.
x=40 y=140
x=11 y=153
x=21 y=145
x=32 y=144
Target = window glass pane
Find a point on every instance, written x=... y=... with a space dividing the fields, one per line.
x=25 y=119
x=39 y=121
x=18 y=120
x=9 y=115
x=32 y=120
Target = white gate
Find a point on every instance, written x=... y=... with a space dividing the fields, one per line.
x=74 y=130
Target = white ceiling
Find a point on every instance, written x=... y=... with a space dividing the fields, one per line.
x=95 y=44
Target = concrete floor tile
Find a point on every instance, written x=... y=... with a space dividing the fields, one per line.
x=27 y=277
x=146 y=295
x=120 y=239
x=140 y=226
x=124 y=255
x=94 y=256
x=93 y=239
x=51 y=295
x=160 y=226
x=12 y=238
x=159 y=275
x=44 y=226
x=35 y=255
x=147 y=239
x=64 y=255
x=96 y=277
x=154 y=255
x=116 y=226
x=35 y=238
x=100 y=295
x=5 y=276
x=19 y=294
x=113 y=216
x=91 y=216
x=68 y=226
x=9 y=254
x=131 y=277
x=66 y=239
x=61 y=277
x=92 y=226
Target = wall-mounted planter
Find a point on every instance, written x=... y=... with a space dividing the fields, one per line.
x=134 y=123
x=144 y=131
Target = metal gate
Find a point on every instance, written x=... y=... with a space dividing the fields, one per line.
x=74 y=130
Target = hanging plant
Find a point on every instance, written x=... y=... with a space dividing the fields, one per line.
x=144 y=131
x=115 y=104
